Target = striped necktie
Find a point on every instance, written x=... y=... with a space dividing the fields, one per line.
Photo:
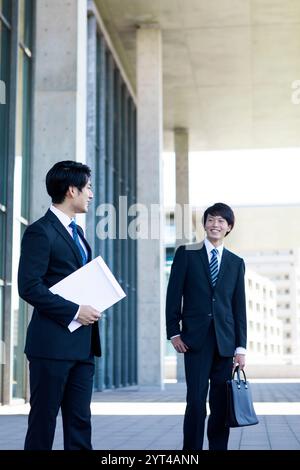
x=213 y=266
x=76 y=240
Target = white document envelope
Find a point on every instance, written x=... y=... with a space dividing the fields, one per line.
x=93 y=284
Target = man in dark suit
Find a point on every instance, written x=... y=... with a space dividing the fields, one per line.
x=61 y=363
x=206 y=320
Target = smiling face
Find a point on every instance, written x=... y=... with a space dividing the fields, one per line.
x=216 y=227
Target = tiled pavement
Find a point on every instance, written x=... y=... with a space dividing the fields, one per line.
x=128 y=419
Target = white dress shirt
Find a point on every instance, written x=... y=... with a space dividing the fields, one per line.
x=209 y=247
x=65 y=220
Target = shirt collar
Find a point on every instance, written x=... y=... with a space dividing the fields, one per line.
x=209 y=246
x=62 y=217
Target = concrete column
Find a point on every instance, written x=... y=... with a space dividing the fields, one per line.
x=182 y=214
x=151 y=291
x=59 y=129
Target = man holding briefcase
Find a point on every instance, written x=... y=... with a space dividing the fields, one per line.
x=61 y=363
x=206 y=293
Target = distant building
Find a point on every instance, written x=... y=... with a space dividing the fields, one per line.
x=265 y=330
x=283 y=268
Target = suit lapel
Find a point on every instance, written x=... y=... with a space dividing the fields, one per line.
x=224 y=264
x=63 y=232
x=204 y=259
x=88 y=248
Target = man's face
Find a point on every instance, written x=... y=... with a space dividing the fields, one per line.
x=216 y=228
x=82 y=199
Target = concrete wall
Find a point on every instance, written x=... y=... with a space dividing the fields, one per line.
x=59 y=128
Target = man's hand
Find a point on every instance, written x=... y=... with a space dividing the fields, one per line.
x=179 y=345
x=88 y=315
x=239 y=360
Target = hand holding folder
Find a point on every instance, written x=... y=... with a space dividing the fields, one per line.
x=93 y=284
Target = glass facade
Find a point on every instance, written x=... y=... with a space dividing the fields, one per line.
x=111 y=153
x=111 y=138
x=21 y=180
x=5 y=45
x=16 y=20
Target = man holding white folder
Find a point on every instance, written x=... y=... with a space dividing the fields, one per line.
x=61 y=362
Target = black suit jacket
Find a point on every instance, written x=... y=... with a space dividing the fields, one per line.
x=48 y=255
x=192 y=301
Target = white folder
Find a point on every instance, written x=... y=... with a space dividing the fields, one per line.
x=93 y=284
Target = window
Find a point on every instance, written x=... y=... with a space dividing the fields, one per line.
x=21 y=181
x=15 y=144
x=5 y=40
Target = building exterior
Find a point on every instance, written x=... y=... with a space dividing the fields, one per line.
x=67 y=97
x=16 y=66
x=283 y=268
x=265 y=329
x=112 y=83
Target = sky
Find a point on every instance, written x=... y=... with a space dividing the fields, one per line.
x=238 y=177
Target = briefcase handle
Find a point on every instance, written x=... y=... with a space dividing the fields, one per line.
x=237 y=371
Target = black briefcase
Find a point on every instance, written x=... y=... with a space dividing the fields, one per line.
x=240 y=410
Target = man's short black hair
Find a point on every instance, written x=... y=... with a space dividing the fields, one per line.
x=222 y=210
x=63 y=175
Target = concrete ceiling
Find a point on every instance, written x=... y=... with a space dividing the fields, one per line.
x=228 y=66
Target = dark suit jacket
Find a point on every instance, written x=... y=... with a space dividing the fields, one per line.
x=48 y=255
x=192 y=300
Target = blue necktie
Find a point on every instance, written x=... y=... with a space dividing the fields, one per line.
x=213 y=266
x=76 y=240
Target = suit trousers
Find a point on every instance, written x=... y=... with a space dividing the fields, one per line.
x=55 y=384
x=202 y=369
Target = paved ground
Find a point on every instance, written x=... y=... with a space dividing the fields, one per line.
x=151 y=419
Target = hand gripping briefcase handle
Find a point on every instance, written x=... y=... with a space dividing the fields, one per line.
x=240 y=410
